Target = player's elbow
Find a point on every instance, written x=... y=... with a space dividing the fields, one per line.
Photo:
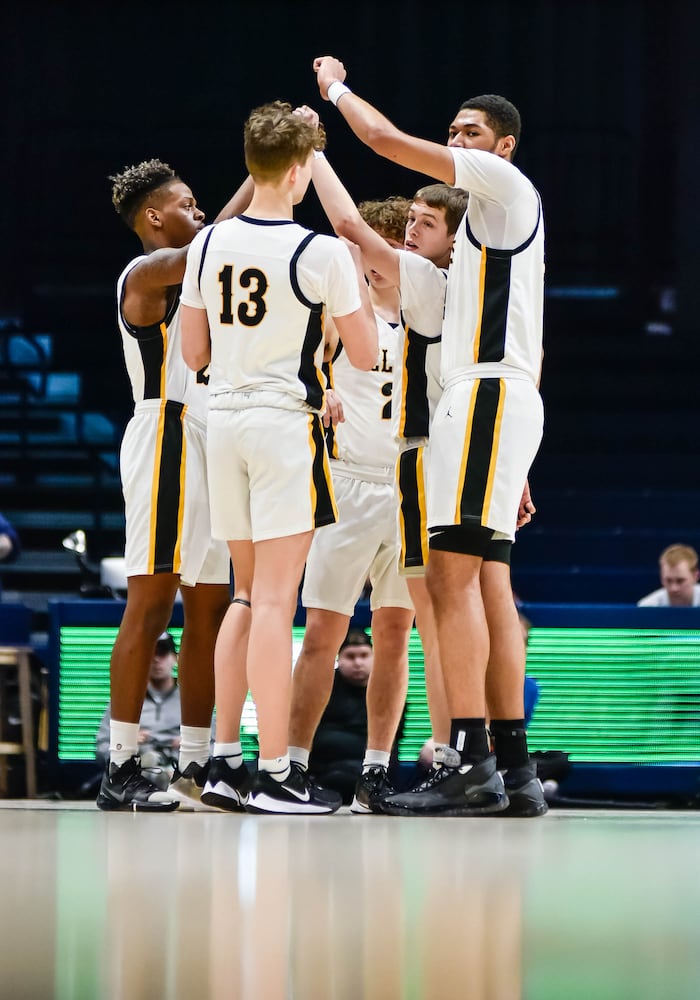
x=349 y=225
x=364 y=353
x=381 y=137
x=195 y=358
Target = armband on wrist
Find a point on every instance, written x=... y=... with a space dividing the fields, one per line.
x=336 y=91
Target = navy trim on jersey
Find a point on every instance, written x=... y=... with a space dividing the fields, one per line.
x=153 y=329
x=503 y=253
x=266 y=222
x=204 y=253
x=294 y=280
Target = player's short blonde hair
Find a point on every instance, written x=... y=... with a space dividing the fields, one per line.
x=676 y=554
x=274 y=139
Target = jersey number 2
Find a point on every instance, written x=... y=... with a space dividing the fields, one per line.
x=253 y=309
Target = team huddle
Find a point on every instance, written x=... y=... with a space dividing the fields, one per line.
x=337 y=409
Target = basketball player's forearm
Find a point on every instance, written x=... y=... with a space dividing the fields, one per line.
x=335 y=199
x=239 y=202
x=376 y=130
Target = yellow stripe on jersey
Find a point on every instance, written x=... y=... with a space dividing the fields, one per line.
x=480 y=313
x=155 y=485
x=465 y=447
x=494 y=450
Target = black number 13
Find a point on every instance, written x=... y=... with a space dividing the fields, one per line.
x=253 y=309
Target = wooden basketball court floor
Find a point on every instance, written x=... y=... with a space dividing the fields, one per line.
x=578 y=904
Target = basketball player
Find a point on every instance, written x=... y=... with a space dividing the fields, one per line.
x=484 y=436
x=168 y=537
x=362 y=544
x=253 y=296
x=419 y=274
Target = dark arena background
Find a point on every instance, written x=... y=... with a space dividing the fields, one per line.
x=598 y=898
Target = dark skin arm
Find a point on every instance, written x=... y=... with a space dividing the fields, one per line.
x=147 y=290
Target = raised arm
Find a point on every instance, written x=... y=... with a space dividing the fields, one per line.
x=146 y=285
x=238 y=202
x=375 y=129
x=346 y=221
x=358 y=330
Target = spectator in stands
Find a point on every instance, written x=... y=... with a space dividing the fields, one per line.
x=159 y=725
x=9 y=542
x=678 y=569
x=339 y=743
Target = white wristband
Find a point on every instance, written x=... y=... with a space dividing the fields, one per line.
x=336 y=91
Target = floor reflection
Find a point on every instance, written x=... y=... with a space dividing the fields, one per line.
x=216 y=906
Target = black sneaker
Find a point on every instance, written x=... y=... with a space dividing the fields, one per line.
x=372 y=786
x=524 y=790
x=297 y=794
x=226 y=787
x=453 y=790
x=186 y=786
x=127 y=788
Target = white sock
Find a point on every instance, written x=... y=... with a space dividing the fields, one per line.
x=375 y=758
x=300 y=756
x=231 y=752
x=277 y=767
x=123 y=741
x=194 y=745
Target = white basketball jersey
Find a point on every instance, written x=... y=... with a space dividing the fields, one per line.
x=263 y=284
x=417 y=374
x=153 y=356
x=495 y=286
x=367 y=437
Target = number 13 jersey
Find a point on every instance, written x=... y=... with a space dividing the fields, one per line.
x=265 y=282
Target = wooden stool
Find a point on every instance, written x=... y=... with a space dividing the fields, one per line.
x=17 y=658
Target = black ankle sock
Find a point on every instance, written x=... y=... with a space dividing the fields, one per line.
x=510 y=742
x=468 y=737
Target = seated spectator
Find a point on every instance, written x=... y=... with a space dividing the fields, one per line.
x=9 y=542
x=159 y=725
x=338 y=747
x=678 y=566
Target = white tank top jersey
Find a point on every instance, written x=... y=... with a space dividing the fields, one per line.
x=495 y=286
x=417 y=375
x=367 y=437
x=153 y=356
x=263 y=284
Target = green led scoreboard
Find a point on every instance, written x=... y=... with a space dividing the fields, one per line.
x=619 y=690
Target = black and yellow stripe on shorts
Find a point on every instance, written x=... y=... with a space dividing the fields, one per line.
x=480 y=451
x=168 y=490
x=412 y=509
x=323 y=508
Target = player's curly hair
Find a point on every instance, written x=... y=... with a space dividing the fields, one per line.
x=387 y=217
x=452 y=199
x=274 y=139
x=501 y=116
x=132 y=186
